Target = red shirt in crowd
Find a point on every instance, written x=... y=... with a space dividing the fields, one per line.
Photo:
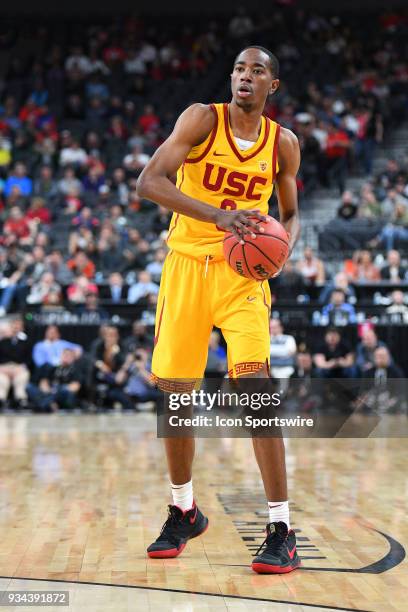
x=337 y=144
x=17 y=227
x=42 y=214
x=88 y=270
x=149 y=122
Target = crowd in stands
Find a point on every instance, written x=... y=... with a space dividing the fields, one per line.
x=55 y=374
x=83 y=107
x=376 y=217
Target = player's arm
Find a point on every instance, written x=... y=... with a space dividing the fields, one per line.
x=289 y=162
x=192 y=128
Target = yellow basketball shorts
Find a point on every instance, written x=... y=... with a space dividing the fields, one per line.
x=193 y=298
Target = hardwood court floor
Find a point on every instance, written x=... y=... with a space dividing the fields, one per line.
x=82 y=496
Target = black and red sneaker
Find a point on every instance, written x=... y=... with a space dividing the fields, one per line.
x=278 y=551
x=177 y=530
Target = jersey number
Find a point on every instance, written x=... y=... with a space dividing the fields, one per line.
x=227 y=204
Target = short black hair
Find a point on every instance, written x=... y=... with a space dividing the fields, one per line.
x=273 y=60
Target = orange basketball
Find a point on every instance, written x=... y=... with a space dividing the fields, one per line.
x=262 y=257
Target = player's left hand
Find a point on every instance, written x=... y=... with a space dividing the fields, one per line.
x=239 y=222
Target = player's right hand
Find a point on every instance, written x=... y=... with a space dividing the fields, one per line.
x=239 y=222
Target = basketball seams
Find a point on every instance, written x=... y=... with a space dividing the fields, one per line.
x=272 y=236
x=264 y=254
x=246 y=262
x=231 y=251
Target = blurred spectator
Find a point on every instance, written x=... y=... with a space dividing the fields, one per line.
x=140 y=338
x=73 y=156
x=49 y=350
x=369 y=206
x=80 y=288
x=290 y=277
x=56 y=266
x=148 y=315
x=301 y=394
x=45 y=186
x=58 y=386
x=135 y=161
x=361 y=268
x=85 y=219
x=334 y=358
x=81 y=240
x=17 y=228
x=365 y=350
x=311 y=268
x=91 y=311
x=116 y=290
x=81 y=264
x=108 y=369
x=149 y=121
x=304 y=367
x=337 y=146
x=311 y=156
x=398 y=309
x=69 y=183
x=5 y=151
x=385 y=394
x=18 y=178
x=282 y=351
x=338 y=311
x=45 y=291
x=160 y=220
x=78 y=61
x=155 y=267
x=394 y=271
x=383 y=366
x=14 y=359
x=136 y=375
x=340 y=281
x=10 y=275
x=38 y=212
x=119 y=186
x=397 y=229
x=142 y=288
x=348 y=207
x=93 y=180
x=241 y=24
x=217 y=356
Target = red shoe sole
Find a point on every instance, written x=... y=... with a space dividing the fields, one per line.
x=265 y=568
x=174 y=552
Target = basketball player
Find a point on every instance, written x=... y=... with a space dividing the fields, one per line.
x=227 y=158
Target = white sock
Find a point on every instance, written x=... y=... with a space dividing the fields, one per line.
x=279 y=511
x=183 y=495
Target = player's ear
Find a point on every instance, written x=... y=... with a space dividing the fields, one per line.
x=274 y=86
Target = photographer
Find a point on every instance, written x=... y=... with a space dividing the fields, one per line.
x=135 y=373
x=58 y=386
x=109 y=369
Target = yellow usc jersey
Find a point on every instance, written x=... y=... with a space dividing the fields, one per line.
x=218 y=173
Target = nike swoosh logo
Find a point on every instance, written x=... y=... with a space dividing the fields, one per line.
x=291 y=553
x=251 y=299
x=193 y=518
x=220 y=154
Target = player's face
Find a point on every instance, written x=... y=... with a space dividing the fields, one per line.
x=252 y=80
